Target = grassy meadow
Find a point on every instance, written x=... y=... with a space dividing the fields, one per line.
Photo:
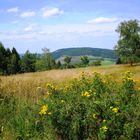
x=74 y=104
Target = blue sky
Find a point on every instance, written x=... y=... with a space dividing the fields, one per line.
x=35 y=24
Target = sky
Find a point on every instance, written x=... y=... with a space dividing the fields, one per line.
x=54 y=24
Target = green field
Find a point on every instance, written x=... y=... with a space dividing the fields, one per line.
x=77 y=60
x=108 y=62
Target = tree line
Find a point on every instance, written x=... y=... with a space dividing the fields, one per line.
x=11 y=62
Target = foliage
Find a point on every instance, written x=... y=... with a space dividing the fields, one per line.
x=96 y=63
x=67 y=61
x=85 y=60
x=58 y=65
x=45 y=61
x=13 y=63
x=28 y=62
x=96 y=107
x=20 y=119
x=118 y=61
x=2 y=59
x=10 y=61
x=128 y=47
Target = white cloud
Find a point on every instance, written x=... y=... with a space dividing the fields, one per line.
x=51 y=12
x=28 y=14
x=79 y=28
x=102 y=20
x=31 y=28
x=14 y=10
x=62 y=35
x=67 y=32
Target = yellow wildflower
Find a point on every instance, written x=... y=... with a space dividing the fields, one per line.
x=104 y=121
x=115 y=109
x=90 y=90
x=82 y=73
x=49 y=113
x=62 y=101
x=94 y=116
x=127 y=72
x=43 y=110
x=104 y=128
x=66 y=87
x=139 y=88
x=130 y=79
x=86 y=94
x=50 y=86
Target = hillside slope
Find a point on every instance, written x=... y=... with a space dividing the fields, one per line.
x=97 y=52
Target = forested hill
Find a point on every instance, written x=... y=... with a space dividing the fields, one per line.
x=98 y=52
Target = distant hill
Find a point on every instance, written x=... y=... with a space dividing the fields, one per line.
x=97 y=52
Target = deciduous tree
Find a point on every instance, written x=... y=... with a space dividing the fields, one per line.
x=85 y=60
x=128 y=46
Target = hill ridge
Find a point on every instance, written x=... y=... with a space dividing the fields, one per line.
x=79 y=51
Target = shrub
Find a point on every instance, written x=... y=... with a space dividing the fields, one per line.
x=96 y=63
x=93 y=108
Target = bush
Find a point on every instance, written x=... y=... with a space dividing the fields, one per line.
x=96 y=63
x=96 y=107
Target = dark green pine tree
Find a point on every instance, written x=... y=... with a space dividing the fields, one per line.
x=3 y=64
x=28 y=62
x=8 y=61
x=15 y=59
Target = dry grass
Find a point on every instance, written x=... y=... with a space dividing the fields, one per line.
x=32 y=85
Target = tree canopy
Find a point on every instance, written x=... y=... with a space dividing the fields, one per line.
x=128 y=46
x=85 y=60
x=67 y=61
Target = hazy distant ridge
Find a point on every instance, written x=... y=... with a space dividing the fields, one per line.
x=98 y=52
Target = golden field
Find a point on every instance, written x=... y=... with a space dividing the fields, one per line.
x=33 y=85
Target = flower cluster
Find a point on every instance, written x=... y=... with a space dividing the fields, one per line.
x=115 y=109
x=86 y=94
x=104 y=128
x=50 y=86
x=130 y=79
x=94 y=116
x=43 y=110
x=82 y=73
